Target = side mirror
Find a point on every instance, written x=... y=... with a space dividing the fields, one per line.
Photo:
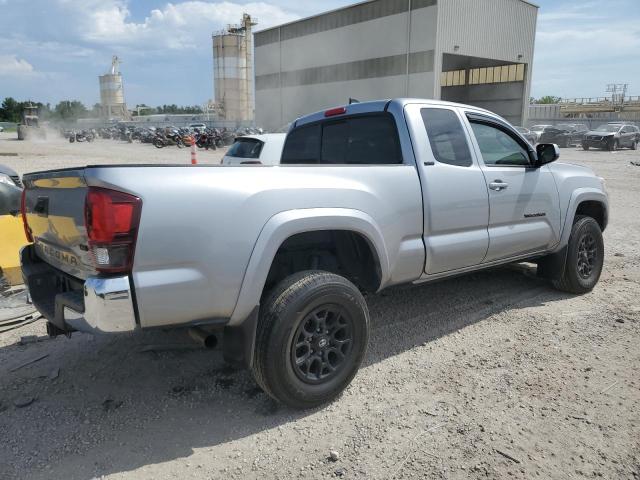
x=547 y=153
x=9 y=199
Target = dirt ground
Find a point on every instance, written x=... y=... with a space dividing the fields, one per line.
x=492 y=375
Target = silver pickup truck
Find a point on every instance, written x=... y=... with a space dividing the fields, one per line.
x=275 y=259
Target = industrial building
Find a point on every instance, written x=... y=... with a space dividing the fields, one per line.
x=470 y=51
x=112 y=102
x=233 y=72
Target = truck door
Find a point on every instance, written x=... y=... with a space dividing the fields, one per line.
x=456 y=205
x=523 y=200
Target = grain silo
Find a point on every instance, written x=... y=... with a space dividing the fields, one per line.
x=233 y=72
x=112 y=93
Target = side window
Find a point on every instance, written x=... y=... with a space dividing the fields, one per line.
x=302 y=145
x=371 y=140
x=447 y=139
x=497 y=147
x=360 y=140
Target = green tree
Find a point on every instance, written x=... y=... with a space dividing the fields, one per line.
x=70 y=110
x=11 y=110
x=548 y=99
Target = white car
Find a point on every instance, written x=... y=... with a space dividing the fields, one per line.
x=255 y=150
x=200 y=127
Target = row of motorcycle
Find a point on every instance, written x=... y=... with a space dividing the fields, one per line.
x=160 y=137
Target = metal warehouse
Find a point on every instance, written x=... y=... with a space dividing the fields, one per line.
x=470 y=51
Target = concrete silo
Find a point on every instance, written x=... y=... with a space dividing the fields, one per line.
x=112 y=93
x=233 y=72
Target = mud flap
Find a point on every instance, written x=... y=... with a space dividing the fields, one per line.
x=552 y=266
x=238 y=342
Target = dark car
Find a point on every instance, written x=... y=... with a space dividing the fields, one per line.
x=531 y=137
x=612 y=136
x=564 y=134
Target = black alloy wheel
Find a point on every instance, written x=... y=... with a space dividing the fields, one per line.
x=322 y=344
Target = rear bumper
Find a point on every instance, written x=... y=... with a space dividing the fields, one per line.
x=96 y=305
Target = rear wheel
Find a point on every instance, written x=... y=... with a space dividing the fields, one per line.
x=585 y=257
x=158 y=143
x=585 y=146
x=613 y=145
x=634 y=145
x=311 y=339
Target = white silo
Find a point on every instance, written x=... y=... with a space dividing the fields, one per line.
x=112 y=93
x=233 y=72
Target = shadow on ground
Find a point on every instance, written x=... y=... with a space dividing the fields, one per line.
x=114 y=408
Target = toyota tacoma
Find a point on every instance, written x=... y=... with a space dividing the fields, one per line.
x=277 y=259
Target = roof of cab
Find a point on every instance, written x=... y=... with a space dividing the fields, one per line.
x=381 y=106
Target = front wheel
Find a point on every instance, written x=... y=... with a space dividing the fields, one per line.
x=585 y=257
x=613 y=145
x=158 y=143
x=634 y=145
x=585 y=147
x=312 y=336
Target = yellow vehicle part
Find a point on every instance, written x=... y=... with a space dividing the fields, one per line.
x=12 y=239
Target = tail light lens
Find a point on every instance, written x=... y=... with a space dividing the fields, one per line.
x=112 y=220
x=23 y=211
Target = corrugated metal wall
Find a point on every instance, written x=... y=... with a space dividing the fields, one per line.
x=496 y=29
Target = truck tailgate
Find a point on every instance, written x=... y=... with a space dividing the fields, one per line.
x=54 y=206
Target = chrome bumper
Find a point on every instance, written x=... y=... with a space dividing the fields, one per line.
x=95 y=305
x=108 y=307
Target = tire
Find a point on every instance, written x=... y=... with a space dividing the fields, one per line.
x=290 y=315
x=613 y=146
x=72 y=139
x=158 y=143
x=634 y=145
x=585 y=147
x=581 y=274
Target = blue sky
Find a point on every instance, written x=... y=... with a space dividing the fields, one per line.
x=55 y=49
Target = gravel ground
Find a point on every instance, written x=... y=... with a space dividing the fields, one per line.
x=491 y=375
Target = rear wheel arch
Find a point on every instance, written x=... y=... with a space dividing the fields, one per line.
x=287 y=224
x=347 y=253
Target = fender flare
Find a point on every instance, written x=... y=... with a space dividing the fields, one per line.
x=291 y=222
x=577 y=197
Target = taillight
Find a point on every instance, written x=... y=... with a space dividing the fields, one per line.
x=112 y=219
x=23 y=211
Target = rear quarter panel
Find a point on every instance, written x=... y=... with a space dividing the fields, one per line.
x=200 y=224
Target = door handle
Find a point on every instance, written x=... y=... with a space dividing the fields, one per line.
x=498 y=185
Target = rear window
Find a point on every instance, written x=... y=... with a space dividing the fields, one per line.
x=360 y=140
x=245 y=148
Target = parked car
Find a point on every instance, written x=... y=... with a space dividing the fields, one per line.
x=564 y=134
x=255 y=150
x=529 y=136
x=276 y=259
x=197 y=127
x=538 y=129
x=612 y=136
x=10 y=191
x=9 y=176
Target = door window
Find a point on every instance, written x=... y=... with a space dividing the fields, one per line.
x=448 y=142
x=498 y=148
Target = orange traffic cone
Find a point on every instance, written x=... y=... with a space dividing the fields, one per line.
x=194 y=159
